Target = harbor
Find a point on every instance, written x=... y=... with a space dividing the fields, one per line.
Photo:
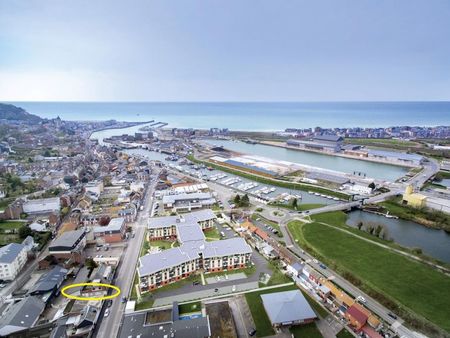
x=380 y=171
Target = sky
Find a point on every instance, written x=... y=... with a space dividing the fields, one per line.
x=233 y=50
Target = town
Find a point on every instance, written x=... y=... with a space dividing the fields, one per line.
x=204 y=239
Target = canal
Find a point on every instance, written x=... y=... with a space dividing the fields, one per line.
x=434 y=243
x=375 y=170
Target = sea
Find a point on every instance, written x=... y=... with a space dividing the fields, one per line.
x=255 y=116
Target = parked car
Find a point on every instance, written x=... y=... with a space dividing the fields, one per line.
x=252 y=332
x=322 y=266
x=216 y=290
x=124 y=299
x=361 y=299
x=393 y=316
x=196 y=282
x=106 y=314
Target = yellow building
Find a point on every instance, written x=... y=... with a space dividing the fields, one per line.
x=413 y=199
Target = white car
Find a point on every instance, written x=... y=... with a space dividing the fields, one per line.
x=106 y=314
x=361 y=299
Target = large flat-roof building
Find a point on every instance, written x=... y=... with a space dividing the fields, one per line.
x=194 y=253
x=42 y=206
x=163 y=324
x=324 y=143
x=69 y=246
x=188 y=201
x=287 y=308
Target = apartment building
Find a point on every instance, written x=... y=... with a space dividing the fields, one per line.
x=12 y=259
x=194 y=253
x=166 y=227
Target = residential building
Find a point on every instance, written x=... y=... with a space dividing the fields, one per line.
x=12 y=259
x=357 y=316
x=21 y=315
x=287 y=308
x=49 y=283
x=69 y=246
x=166 y=227
x=111 y=233
x=194 y=254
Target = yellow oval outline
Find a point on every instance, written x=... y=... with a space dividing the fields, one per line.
x=90 y=298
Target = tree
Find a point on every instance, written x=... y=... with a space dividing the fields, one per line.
x=245 y=201
x=295 y=203
x=25 y=231
x=104 y=220
x=359 y=225
x=237 y=200
x=90 y=264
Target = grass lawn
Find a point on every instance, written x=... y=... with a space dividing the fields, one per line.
x=344 y=334
x=248 y=272
x=9 y=238
x=277 y=276
x=384 y=271
x=189 y=307
x=212 y=234
x=254 y=301
x=9 y=225
x=382 y=142
x=164 y=245
x=308 y=330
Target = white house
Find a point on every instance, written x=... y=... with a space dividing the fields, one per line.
x=12 y=259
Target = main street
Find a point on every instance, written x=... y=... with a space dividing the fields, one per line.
x=109 y=326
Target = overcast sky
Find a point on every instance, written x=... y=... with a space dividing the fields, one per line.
x=227 y=50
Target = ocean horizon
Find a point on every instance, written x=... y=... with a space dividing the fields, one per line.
x=255 y=116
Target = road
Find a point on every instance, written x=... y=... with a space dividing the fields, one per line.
x=109 y=326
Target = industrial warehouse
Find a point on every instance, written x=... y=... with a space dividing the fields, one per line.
x=195 y=253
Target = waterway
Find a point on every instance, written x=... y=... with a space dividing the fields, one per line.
x=306 y=198
x=380 y=171
x=106 y=133
x=434 y=243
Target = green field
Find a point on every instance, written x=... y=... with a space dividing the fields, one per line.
x=254 y=301
x=344 y=334
x=164 y=245
x=8 y=225
x=388 y=142
x=272 y=181
x=412 y=284
x=308 y=330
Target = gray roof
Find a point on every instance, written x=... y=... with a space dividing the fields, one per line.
x=8 y=253
x=186 y=233
x=21 y=315
x=152 y=263
x=328 y=138
x=191 y=218
x=67 y=239
x=327 y=177
x=226 y=247
x=395 y=154
x=186 y=197
x=114 y=225
x=134 y=325
x=47 y=282
x=287 y=306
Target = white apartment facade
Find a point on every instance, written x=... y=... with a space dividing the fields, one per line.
x=12 y=259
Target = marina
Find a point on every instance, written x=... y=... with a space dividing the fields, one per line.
x=345 y=165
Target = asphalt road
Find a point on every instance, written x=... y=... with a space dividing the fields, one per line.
x=109 y=326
